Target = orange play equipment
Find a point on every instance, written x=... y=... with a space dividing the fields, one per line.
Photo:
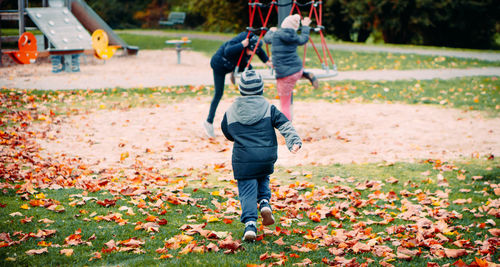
x=27 y=49
x=100 y=43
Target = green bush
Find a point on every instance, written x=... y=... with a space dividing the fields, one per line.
x=453 y=23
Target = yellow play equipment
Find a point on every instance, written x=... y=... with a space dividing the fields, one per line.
x=100 y=43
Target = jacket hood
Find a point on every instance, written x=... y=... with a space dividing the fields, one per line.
x=248 y=110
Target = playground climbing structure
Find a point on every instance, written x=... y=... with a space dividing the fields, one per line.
x=284 y=8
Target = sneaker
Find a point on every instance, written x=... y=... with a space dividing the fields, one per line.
x=250 y=231
x=314 y=81
x=209 y=129
x=266 y=212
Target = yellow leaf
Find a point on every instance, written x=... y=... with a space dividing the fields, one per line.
x=210 y=218
x=40 y=196
x=25 y=207
x=44 y=244
x=123 y=156
x=68 y=252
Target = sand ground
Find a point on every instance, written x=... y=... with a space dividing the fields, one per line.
x=171 y=136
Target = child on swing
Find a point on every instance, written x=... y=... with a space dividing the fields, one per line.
x=286 y=61
x=250 y=124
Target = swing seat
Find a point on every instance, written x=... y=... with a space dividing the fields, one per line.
x=268 y=74
x=324 y=73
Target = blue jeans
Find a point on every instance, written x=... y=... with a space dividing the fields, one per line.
x=252 y=191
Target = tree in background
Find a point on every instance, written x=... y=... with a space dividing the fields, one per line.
x=119 y=14
x=156 y=10
x=349 y=20
x=453 y=23
x=393 y=20
x=221 y=16
x=457 y=23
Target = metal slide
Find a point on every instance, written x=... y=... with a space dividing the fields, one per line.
x=91 y=21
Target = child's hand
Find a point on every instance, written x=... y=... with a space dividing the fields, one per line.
x=295 y=148
x=306 y=21
x=245 y=42
x=273 y=29
x=269 y=63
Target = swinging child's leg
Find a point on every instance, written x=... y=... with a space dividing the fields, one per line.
x=285 y=91
x=219 y=79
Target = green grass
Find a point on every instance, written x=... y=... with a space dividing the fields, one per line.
x=358 y=60
x=413 y=177
x=470 y=93
x=15 y=32
x=477 y=93
x=208 y=47
x=344 y=60
x=329 y=39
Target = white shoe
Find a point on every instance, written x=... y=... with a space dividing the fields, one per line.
x=209 y=129
x=250 y=231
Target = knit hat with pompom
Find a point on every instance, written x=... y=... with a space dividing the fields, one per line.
x=291 y=22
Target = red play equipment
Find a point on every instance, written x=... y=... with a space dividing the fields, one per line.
x=27 y=52
x=282 y=7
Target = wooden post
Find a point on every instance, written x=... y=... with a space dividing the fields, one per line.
x=283 y=10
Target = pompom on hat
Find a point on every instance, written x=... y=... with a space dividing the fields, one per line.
x=251 y=83
x=291 y=22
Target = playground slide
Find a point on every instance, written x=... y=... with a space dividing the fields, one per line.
x=91 y=21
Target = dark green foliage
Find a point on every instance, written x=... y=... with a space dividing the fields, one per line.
x=462 y=23
x=222 y=16
x=393 y=19
x=453 y=23
x=349 y=20
x=119 y=14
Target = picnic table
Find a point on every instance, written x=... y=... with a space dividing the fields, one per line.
x=178 y=46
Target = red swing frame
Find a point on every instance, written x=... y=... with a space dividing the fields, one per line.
x=255 y=6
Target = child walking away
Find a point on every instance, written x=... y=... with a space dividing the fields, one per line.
x=250 y=123
x=287 y=63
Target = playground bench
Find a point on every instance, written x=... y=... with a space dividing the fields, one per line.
x=173 y=19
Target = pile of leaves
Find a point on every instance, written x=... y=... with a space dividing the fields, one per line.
x=446 y=215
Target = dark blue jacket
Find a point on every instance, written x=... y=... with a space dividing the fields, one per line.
x=227 y=56
x=284 y=43
x=250 y=123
